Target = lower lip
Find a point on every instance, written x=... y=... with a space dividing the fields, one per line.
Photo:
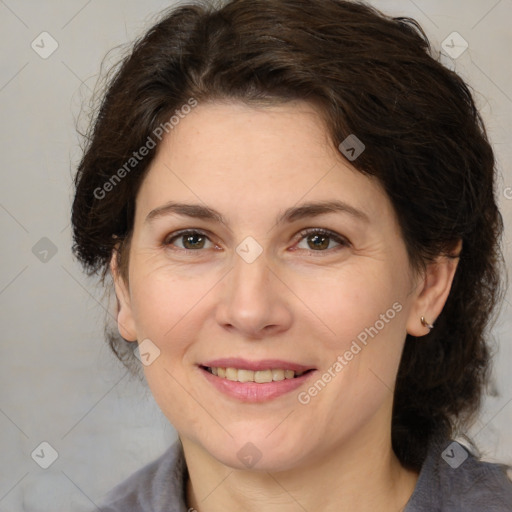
x=253 y=391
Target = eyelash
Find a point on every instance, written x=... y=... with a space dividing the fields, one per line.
x=342 y=241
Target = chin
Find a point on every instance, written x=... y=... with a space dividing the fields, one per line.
x=259 y=451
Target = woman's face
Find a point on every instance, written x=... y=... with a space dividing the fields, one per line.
x=256 y=273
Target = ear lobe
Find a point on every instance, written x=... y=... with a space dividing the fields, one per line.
x=125 y=320
x=432 y=293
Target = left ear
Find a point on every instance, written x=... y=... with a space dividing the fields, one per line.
x=432 y=292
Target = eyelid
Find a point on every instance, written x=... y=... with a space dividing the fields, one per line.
x=182 y=232
x=339 y=239
x=342 y=240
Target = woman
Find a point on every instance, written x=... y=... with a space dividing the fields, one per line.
x=295 y=202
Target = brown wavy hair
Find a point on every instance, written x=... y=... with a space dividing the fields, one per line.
x=367 y=74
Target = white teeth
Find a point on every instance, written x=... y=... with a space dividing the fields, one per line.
x=277 y=374
x=245 y=375
x=289 y=374
x=231 y=374
x=260 y=376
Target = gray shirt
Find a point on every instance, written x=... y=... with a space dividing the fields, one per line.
x=451 y=479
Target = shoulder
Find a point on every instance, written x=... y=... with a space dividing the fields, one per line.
x=157 y=487
x=476 y=486
x=453 y=479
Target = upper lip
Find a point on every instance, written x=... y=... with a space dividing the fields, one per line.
x=263 y=364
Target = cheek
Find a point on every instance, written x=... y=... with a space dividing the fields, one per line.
x=364 y=309
x=164 y=309
x=354 y=302
x=160 y=302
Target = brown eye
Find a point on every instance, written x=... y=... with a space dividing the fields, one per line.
x=190 y=240
x=320 y=240
x=317 y=241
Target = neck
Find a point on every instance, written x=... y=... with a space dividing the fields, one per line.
x=358 y=476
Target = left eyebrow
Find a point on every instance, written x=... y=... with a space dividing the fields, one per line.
x=321 y=208
x=306 y=210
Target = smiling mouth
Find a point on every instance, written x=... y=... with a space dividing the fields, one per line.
x=258 y=376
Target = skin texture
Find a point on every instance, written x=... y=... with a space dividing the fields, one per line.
x=295 y=302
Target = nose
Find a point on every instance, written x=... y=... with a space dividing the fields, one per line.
x=254 y=301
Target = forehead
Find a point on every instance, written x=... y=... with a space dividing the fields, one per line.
x=248 y=158
x=233 y=136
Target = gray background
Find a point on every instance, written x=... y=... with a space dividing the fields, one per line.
x=58 y=381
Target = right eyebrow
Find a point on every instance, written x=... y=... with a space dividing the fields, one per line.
x=195 y=211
